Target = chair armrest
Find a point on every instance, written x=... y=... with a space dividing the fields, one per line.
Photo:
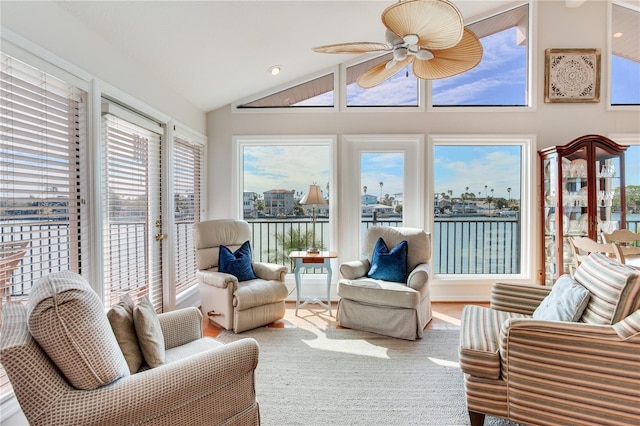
x=181 y=326
x=217 y=279
x=204 y=383
x=589 y=372
x=519 y=298
x=354 y=269
x=419 y=276
x=270 y=271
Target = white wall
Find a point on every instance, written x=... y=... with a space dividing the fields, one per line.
x=46 y=25
x=553 y=124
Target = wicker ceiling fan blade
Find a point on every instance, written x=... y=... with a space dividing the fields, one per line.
x=437 y=23
x=449 y=62
x=381 y=72
x=357 y=47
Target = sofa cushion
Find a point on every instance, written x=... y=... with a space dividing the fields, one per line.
x=237 y=263
x=389 y=265
x=480 y=340
x=67 y=320
x=121 y=319
x=379 y=293
x=149 y=333
x=566 y=302
x=614 y=289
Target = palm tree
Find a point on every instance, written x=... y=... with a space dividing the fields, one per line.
x=293 y=240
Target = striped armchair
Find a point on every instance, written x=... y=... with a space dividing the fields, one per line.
x=540 y=372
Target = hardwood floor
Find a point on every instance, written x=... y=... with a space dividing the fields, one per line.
x=446 y=316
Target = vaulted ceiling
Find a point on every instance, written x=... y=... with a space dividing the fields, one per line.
x=218 y=52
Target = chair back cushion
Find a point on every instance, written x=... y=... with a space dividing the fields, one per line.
x=418 y=243
x=68 y=321
x=209 y=235
x=614 y=289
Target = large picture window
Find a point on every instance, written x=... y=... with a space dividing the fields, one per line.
x=275 y=175
x=480 y=204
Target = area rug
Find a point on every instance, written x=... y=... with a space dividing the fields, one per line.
x=311 y=376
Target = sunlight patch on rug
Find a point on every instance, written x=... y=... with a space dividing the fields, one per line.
x=351 y=346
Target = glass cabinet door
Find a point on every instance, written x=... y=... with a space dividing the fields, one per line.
x=608 y=195
x=549 y=179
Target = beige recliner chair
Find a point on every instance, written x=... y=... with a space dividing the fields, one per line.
x=397 y=309
x=233 y=304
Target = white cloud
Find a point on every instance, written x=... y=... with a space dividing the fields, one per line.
x=285 y=167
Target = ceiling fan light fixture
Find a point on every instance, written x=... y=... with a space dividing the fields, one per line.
x=411 y=39
x=400 y=53
x=424 y=54
x=392 y=38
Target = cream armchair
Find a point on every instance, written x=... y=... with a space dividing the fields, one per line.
x=233 y=304
x=202 y=381
x=535 y=371
x=396 y=309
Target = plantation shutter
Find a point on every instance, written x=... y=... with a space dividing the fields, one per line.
x=43 y=226
x=187 y=174
x=131 y=191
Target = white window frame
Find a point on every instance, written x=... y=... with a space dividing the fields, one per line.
x=240 y=142
x=413 y=214
x=190 y=296
x=474 y=287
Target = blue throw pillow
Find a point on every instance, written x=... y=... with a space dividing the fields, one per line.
x=389 y=265
x=237 y=263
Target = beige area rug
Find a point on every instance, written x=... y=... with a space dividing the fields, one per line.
x=310 y=376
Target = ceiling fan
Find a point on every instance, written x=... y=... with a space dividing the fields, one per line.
x=428 y=34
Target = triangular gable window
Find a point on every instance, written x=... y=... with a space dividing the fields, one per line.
x=314 y=93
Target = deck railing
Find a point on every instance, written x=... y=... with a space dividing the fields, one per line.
x=460 y=245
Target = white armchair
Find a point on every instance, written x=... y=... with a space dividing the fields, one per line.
x=397 y=309
x=202 y=381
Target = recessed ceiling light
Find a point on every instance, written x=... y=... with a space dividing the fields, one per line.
x=617 y=35
x=274 y=70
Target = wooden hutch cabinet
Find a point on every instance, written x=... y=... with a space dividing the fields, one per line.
x=583 y=190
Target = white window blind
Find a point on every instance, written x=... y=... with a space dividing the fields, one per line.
x=43 y=226
x=131 y=179
x=187 y=173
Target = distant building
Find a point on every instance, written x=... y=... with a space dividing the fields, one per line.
x=397 y=199
x=278 y=202
x=379 y=209
x=368 y=199
x=249 y=204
